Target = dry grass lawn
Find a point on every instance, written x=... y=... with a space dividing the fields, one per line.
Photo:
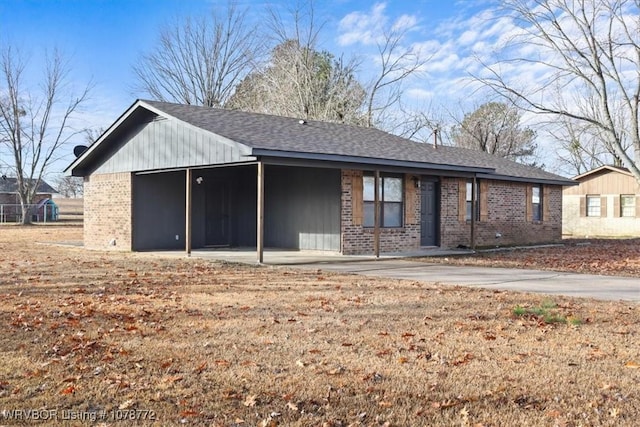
x=167 y=341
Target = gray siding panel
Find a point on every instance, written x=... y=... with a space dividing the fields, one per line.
x=302 y=208
x=166 y=143
x=159 y=211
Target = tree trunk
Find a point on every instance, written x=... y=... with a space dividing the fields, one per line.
x=25 y=208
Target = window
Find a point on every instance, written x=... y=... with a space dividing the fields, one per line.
x=593 y=205
x=536 y=202
x=628 y=205
x=390 y=194
x=470 y=201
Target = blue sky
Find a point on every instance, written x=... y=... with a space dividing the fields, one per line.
x=104 y=38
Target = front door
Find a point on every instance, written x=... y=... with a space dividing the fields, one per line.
x=217 y=215
x=429 y=222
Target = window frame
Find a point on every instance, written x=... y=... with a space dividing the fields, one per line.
x=369 y=205
x=589 y=197
x=631 y=207
x=468 y=200
x=537 y=208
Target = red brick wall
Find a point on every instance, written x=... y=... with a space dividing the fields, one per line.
x=507 y=215
x=9 y=199
x=107 y=211
x=357 y=239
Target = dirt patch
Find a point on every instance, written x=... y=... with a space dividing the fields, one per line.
x=606 y=257
x=120 y=336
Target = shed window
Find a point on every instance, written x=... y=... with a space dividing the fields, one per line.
x=536 y=202
x=628 y=205
x=470 y=201
x=593 y=205
x=390 y=194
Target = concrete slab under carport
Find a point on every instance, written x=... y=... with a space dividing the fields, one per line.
x=313 y=259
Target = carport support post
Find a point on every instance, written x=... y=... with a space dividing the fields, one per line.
x=260 y=214
x=187 y=222
x=376 y=213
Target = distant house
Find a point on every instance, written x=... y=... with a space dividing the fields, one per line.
x=605 y=203
x=10 y=210
x=167 y=176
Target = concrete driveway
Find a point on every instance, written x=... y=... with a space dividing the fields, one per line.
x=403 y=267
x=538 y=281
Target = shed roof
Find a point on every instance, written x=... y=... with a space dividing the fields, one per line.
x=268 y=135
x=602 y=170
x=10 y=185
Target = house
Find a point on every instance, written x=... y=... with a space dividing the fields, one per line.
x=10 y=209
x=605 y=203
x=167 y=176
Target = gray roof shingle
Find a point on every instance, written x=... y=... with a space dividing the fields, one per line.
x=287 y=134
x=10 y=185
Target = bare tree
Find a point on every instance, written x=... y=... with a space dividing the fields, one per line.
x=200 y=60
x=70 y=186
x=417 y=123
x=589 y=53
x=581 y=147
x=91 y=135
x=495 y=128
x=34 y=126
x=396 y=64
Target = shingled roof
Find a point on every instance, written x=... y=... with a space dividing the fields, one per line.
x=286 y=134
x=10 y=186
x=268 y=135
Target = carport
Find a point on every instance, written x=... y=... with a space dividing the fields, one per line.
x=217 y=207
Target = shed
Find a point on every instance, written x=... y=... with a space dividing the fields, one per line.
x=605 y=203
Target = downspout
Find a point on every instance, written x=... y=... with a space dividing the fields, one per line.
x=376 y=214
x=260 y=214
x=474 y=197
x=187 y=222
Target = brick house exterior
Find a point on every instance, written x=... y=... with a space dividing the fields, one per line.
x=107 y=213
x=504 y=212
x=166 y=176
x=357 y=239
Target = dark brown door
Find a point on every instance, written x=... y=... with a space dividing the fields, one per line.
x=429 y=221
x=217 y=215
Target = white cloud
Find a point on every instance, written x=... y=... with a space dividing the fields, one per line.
x=419 y=94
x=359 y=27
x=405 y=22
x=368 y=28
x=468 y=37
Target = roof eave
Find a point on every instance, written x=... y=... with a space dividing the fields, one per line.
x=69 y=170
x=564 y=182
x=371 y=161
x=601 y=168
